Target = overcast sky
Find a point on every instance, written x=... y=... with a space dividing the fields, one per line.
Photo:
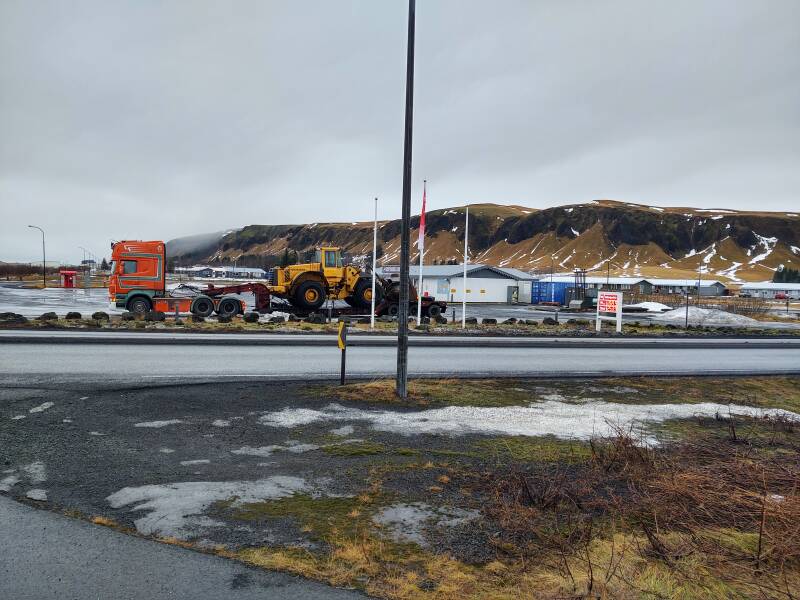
x=156 y=119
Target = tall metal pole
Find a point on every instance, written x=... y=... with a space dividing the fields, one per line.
x=402 y=315
x=421 y=245
x=464 y=277
x=83 y=268
x=374 y=266
x=44 y=257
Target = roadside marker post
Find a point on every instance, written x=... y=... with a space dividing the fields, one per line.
x=609 y=302
x=342 y=343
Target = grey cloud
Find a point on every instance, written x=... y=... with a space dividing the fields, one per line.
x=158 y=119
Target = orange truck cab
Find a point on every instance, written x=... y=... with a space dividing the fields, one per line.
x=138 y=284
x=137 y=274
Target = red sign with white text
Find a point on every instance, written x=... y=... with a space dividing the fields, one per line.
x=607 y=302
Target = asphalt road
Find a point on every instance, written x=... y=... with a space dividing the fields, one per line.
x=46 y=555
x=142 y=364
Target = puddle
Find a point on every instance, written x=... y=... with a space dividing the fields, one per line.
x=561 y=419
x=407 y=522
x=175 y=509
x=158 y=424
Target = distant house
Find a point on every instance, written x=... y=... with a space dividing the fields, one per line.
x=484 y=283
x=771 y=290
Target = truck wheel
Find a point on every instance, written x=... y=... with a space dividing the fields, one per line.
x=202 y=306
x=228 y=307
x=393 y=310
x=434 y=310
x=309 y=295
x=139 y=305
x=362 y=298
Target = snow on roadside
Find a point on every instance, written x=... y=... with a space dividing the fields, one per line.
x=175 y=509
x=552 y=417
x=705 y=316
x=655 y=307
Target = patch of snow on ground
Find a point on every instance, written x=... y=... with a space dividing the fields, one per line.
x=655 y=307
x=158 y=424
x=767 y=243
x=199 y=461
x=553 y=417
x=17 y=417
x=166 y=450
x=407 y=522
x=42 y=407
x=221 y=423
x=35 y=472
x=37 y=494
x=6 y=483
x=343 y=431
x=271 y=449
x=175 y=509
x=705 y=316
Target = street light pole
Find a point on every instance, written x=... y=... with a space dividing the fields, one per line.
x=44 y=257
x=405 y=229
x=83 y=267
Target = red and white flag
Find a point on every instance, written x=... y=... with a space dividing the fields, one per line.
x=421 y=241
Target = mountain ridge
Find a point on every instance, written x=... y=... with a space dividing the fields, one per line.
x=613 y=236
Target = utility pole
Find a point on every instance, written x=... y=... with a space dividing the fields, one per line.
x=44 y=257
x=374 y=266
x=405 y=229
x=464 y=278
x=83 y=268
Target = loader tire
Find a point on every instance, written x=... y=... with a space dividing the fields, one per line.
x=362 y=297
x=309 y=295
x=434 y=310
x=393 y=310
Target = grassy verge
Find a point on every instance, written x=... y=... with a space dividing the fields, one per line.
x=705 y=516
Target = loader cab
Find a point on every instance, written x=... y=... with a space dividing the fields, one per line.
x=330 y=261
x=329 y=258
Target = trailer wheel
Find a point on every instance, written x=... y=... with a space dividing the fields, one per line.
x=309 y=295
x=393 y=310
x=362 y=298
x=139 y=305
x=202 y=306
x=434 y=310
x=228 y=307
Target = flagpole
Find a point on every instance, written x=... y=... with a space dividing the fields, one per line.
x=421 y=244
x=464 y=291
x=374 y=261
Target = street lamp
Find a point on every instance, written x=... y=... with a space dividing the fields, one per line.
x=44 y=257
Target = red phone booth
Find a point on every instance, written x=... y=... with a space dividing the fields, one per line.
x=67 y=278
